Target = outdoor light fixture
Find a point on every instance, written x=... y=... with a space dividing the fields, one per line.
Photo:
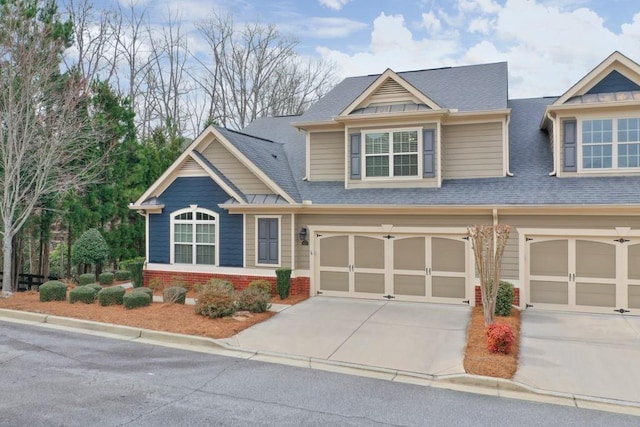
x=302 y=235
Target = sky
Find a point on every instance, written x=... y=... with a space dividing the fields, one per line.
x=548 y=44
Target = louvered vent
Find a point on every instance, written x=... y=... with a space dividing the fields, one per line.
x=190 y=167
x=391 y=87
x=390 y=91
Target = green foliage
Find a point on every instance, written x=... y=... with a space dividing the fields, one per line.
x=106 y=278
x=144 y=291
x=135 y=267
x=111 y=296
x=174 y=295
x=90 y=248
x=124 y=264
x=215 y=303
x=253 y=300
x=136 y=299
x=263 y=284
x=94 y=286
x=53 y=290
x=283 y=282
x=87 y=278
x=504 y=299
x=122 y=275
x=84 y=294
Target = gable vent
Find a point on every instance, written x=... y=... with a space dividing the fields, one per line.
x=391 y=87
x=191 y=167
x=390 y=92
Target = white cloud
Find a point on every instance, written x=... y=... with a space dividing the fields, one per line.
x=431 y=22
x=333 y=4
x=480 y=25
x=331 y=27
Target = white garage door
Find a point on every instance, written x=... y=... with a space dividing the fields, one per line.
x=590 y=274
x=430 y=268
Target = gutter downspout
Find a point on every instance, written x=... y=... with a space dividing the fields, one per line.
x=554 y=171
x=509 y=173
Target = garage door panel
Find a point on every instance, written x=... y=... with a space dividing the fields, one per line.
x=448 y=255
x=334 y=251
x=448 y=287
x=369 y=252
x=369 y=283
x=550 y=258
x=634 y=262
x=334 y=281
x=409 y=285
x=634 y=296
x=549 y=292
x=409 y=254
x=596 y=294
x=595 y=259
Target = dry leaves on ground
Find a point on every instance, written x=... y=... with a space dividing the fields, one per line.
x=478 y=359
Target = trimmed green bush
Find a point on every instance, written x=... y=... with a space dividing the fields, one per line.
x=85 y=294
x=253 y=300
x=216 y=304
x=90 y=248
x=111 y=296
x=136 y=299
x=504 y=299
x=87 y=278
x=144 y=290
x=174 y=295
x=53 y=290
x=95 y=286
x=263 y=284
x=283 y=282
x=135 y=268
x=106 y=278
x=122 y=275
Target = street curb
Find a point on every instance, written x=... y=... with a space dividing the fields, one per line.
x=498 y=387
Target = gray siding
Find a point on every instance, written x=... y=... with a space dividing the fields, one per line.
x=285 y=241
x=327 y=156
x=472 y=151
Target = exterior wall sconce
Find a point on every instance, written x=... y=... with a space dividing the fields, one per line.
x=302 y=235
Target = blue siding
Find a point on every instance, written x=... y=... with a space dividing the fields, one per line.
x=205 y=193
x=614 y=82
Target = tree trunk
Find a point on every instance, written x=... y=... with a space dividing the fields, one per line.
x=7 y=249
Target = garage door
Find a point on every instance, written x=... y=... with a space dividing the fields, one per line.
x=430 y=268
x=583 y=274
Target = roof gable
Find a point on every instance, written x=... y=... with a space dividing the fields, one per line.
x=616 y=73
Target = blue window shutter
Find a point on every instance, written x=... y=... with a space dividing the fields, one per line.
x=355 y=155
x=428 y=153
x=268 y=236
x=569 y=146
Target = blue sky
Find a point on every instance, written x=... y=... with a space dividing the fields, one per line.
x=549 y=44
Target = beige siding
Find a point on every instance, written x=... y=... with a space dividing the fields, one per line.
x=302 y=252
x=233 y=169
x=472 y=151
x=510 y=262
x=327 y=156
x=285 y=241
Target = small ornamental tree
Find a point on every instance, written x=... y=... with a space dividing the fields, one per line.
x=488 y=243
x=90 y=248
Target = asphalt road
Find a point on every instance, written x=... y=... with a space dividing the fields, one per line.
x=58 y=378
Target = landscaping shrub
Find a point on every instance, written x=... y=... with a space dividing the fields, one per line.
x=283 y=282
x=178 y=281
x=504 y=299
x=111 y=296
x=156 y=284
x=53 y=290
x=83 y=294
x=136 y=299
x=174 y=295
x=106 y=278
x=218 y=285
x=90 y=248
x=95 y=286
x=499 y=338
x=135 y=266
x=263 y=284
x=87 y=278
x=254 y=300
x=122 y=275
x=145 y=291
x=216 y=303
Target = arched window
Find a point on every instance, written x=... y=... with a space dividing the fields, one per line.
x=194 y=236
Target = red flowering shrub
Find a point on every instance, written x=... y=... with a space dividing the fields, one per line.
x=499 y=338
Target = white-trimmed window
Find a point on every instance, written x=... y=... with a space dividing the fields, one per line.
x=392 y=153
x=268 y=241
x=194 y=236
x=610 y=143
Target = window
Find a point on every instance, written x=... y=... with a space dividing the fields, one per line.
x=268 y=241
x=392 y=153
x=193 y=234
x=611 y=143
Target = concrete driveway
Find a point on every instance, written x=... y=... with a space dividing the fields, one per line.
x=412 y=337
x=588 y=354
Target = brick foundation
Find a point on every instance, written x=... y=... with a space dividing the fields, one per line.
x=516 y=298
x=299 y=285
